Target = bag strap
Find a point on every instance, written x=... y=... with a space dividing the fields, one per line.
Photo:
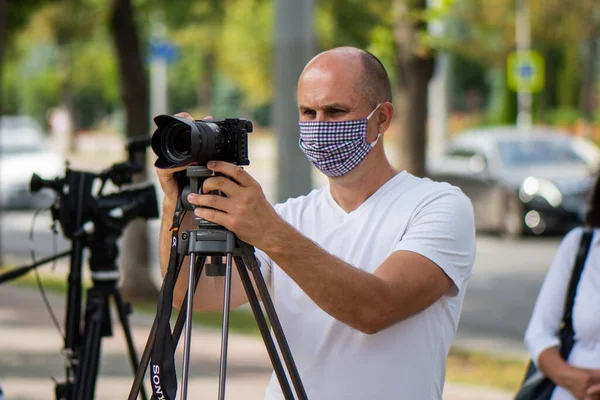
x=163 y=373
x=582 y=253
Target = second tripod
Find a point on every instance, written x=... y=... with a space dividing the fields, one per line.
x=213 y=242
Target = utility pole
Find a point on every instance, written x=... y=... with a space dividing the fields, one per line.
x=438 y=107
x=523 y=38
x=294 y=47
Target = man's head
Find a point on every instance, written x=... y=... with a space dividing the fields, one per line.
x=349 y=74
x=344 y=84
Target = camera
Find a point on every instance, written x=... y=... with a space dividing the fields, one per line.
x=77 y=203
x=178 y=141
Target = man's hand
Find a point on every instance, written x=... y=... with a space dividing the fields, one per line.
x=166 y=177
x=245 y=211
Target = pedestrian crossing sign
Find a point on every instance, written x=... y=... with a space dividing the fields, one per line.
x=525 y=71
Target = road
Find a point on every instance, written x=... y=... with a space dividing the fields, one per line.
x=500 y=294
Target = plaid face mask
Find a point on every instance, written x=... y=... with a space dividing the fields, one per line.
x=336 y=147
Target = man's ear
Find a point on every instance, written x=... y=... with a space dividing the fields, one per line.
x=385 y=116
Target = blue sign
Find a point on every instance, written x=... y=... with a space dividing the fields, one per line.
x=163 y=50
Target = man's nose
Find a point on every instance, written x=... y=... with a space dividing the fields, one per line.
x=322 y=116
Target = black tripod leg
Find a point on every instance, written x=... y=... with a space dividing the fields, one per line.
x=122 y=311
x=85 y=380
x=286 y=353
x=264 y=329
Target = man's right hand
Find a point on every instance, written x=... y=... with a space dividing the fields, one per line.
x=166 y=177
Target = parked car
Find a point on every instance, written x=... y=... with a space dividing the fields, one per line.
x=25 y=149
x=521 y=182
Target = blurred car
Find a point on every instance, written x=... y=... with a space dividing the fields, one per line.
x=24 y=149
x=521 y=182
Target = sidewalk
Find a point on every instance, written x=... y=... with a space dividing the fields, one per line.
x=30 y=354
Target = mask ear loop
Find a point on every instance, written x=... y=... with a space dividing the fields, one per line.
x=373 y=143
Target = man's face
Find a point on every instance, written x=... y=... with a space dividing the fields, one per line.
x=327 y=91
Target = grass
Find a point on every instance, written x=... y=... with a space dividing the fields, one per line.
x=463 y=366
x=483 y=369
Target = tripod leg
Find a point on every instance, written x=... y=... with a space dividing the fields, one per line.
x=188 y=327
x=264 y=329
x=225 y=327
x=276 y=325
x=121 y=310
x=85 y=381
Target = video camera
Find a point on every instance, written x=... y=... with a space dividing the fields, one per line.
x=109 y=212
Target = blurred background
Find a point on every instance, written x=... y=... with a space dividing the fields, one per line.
x=498 y=97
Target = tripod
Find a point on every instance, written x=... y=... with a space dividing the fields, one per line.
x=82 y=352
x=213 y=241
x=98 y=324
x=93 y=221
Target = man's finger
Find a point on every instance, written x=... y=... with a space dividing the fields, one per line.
x=184 y=115
x=212 y=201
x=218 y=217
x=225 y=185
x=234 y=171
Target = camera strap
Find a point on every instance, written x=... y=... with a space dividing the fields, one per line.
x=163 y=373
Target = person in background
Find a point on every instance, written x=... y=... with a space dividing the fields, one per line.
x=579 y=376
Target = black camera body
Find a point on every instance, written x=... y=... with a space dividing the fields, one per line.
x=179 y=141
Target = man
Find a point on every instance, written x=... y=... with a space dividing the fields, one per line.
x=367 y=273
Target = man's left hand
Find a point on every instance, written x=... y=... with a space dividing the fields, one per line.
x=245 y=211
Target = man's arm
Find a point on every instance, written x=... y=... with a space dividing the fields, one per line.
x=403 y=285
x=210 y=291
x=406 y=283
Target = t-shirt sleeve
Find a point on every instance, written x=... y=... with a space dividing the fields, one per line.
x=265 y=265
x=443 y=230
x=542 y=331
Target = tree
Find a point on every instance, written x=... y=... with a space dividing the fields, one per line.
x=415 y=63
x=135 y=263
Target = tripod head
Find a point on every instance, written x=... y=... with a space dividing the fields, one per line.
x=80 y=211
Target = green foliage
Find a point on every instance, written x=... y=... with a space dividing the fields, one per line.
x=563 y=116
x=245 y=49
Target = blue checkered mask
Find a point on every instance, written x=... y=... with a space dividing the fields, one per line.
x=336 y=147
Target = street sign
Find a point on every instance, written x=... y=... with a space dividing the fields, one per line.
x=161 y=49
x=525 y=71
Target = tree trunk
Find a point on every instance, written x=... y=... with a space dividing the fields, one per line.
x=588 y=87
x=548 y=96
x=135 y=264
x=3 y=39
x=415 y=68
x=206 y=84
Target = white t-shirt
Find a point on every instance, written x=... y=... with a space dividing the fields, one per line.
x=408 y=359
x=542 y=332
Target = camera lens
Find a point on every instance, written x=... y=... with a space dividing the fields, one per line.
x=180 y=142
x=177 y=142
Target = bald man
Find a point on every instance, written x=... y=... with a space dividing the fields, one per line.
x=367 y=273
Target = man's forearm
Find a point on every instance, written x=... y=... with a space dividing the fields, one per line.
x=355 y=297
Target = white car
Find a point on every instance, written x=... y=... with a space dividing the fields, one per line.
x=24 y=150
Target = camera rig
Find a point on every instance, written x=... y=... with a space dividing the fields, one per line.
x=93 y=221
